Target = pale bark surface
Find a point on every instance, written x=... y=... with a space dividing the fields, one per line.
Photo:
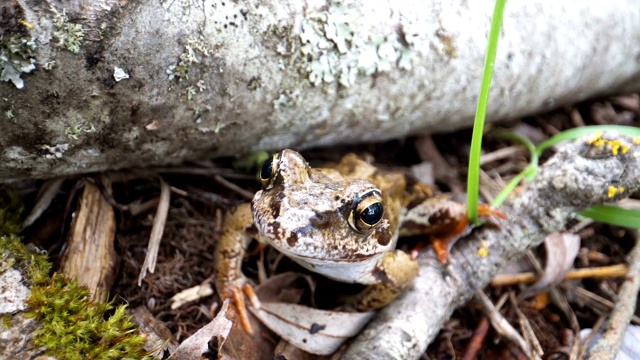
x=90 y=255
x=245 y=73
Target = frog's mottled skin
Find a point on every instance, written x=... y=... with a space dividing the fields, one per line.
x=304 y=214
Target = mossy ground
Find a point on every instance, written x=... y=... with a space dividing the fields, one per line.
x=73 y=326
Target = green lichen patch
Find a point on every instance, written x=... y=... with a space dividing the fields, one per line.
x=74 y=131
x=194 y=51
x=69 y=35
x=17 y=56
x=335 y=50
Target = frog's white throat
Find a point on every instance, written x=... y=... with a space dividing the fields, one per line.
x=359 y=271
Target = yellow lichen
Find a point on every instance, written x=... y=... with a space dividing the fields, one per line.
x=595 y=137
x=26 y=24
x=617 y=146
x=484 y=250
x=613 y=191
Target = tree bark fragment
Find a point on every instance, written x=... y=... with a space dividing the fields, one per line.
x=90 y=255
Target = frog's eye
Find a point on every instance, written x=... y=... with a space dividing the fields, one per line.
x=367 y=211
x=269 y=171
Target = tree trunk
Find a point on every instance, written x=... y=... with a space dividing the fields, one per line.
x=215 y=78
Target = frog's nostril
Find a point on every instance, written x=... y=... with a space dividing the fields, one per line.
x=319 y=221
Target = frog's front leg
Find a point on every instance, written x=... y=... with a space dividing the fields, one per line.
x=237 y=231
x=396 y=271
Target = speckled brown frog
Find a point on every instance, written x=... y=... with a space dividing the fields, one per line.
x=342 y=223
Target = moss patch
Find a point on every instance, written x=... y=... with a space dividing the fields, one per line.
x=10 y=213
x=73 y=326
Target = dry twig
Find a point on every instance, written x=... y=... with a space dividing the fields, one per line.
x=502 y=325
x=47 y=192
x=576 y=274
x=156 y=231
x=609 y=344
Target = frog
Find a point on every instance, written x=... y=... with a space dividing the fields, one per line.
x=342 y=222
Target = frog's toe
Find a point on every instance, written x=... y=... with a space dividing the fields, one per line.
x=241 y=307
x=253 y=298
x=491 y=214
x=236 y=294
x=441 y=247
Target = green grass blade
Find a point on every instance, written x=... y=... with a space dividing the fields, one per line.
x=614 y=215
x=473 y=178
x=512 y=136
x=575 y=133
x=529 y=173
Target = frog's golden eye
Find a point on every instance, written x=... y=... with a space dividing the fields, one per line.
x=269 y=171
x=367 y=211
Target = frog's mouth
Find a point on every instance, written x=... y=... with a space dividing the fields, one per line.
x=302 y=249
x=355 y=270
x=354 y=259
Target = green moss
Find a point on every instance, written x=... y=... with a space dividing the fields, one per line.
x=10 y=213
x=73 y=326
x=6 y=321
x=34 y=265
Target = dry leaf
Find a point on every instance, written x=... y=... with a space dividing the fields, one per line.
x=562 y=249
x=215 y=332
x=285 y=350
x=47 y=192
x=157 y=335
x=287 y=287
x=154 y=125
x=319 y=332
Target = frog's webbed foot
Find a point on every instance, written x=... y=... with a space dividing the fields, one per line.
x=396 y=271
x=445 y=221
x=230 y=282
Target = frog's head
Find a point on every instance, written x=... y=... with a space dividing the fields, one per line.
x=321 y=219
